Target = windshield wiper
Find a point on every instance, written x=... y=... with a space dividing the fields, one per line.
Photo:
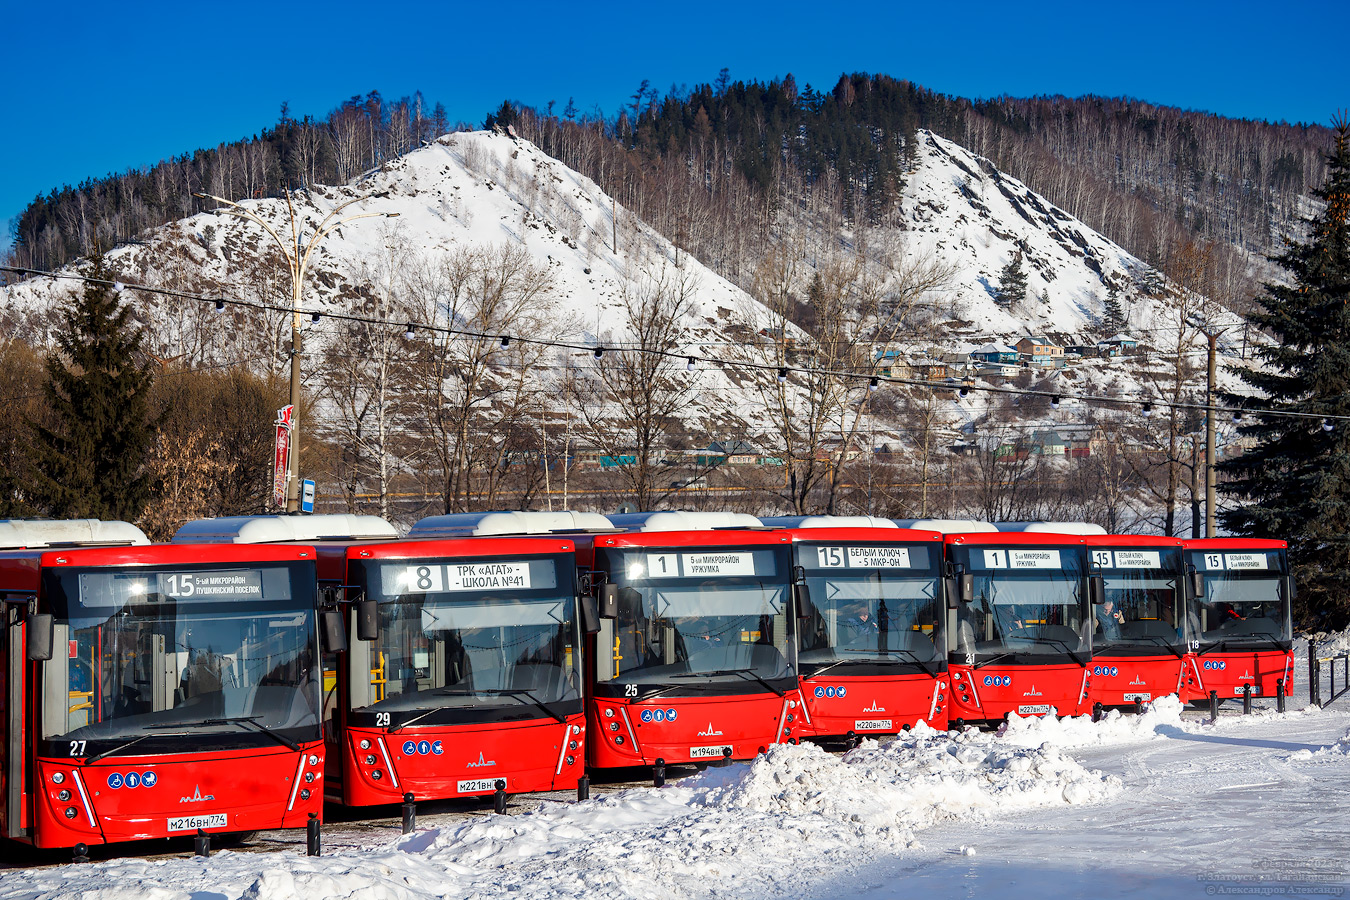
x=1049 y=640
x=980 y=664
x=1277 y=643
x=747 y=672
x=864 y=660
x=262 y=729
x=489 y=692
x=1180 y=654
x=131 y=743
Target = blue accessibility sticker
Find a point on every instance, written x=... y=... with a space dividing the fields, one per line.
x=670 y=715
x=843 y=691
x=409 y=748
x=149 y=779
x=646 y=715
x=424 y=747
x=436 y=748
x=820 y=692
x=133 y=780
x=115 y=780
x=658 y=715
x=830 y=691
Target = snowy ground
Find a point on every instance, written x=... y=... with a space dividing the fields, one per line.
x=1162 y=805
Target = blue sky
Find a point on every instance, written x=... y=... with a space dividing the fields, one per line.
x=96 y=88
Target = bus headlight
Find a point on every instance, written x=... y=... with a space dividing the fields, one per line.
x=58 y=777
x=71 y=812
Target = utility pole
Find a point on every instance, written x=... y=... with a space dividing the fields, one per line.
x=1209 y=437
x=297 y=259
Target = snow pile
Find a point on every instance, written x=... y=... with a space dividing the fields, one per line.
x=1161 y=719
x=1339 y=749
x=794 y=814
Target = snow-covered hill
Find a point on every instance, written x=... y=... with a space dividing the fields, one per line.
x=489 y=189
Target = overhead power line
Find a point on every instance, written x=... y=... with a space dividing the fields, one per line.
x=1146 y=404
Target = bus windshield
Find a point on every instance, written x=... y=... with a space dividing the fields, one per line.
x=696 y=618
x=1244 y=603
x=468 y=634
x=1141 y=600
x=150 y=652
x=875 y=608
x=1027 y=601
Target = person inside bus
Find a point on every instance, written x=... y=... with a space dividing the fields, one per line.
x=1109 y=620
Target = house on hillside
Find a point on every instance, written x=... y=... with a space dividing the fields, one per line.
x=994 y=353
x=931 y=369
x=1117 y=345
x=891 y=363
x=1040 y=351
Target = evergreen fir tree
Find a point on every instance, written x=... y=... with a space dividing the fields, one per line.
x=1297 y=478
x=91 y=463
x=1012 y=281
x=1113 y=316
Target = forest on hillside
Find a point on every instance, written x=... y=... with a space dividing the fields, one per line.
x=710 y=167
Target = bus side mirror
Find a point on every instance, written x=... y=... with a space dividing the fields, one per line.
x=367 y=620
x=967 y=592
x=952 y=588
x=1097 y=589
x=802 y=595
x=41 y=628
x=609 y=601
x=1197 y=585
x=334 y=634
x=590 y=619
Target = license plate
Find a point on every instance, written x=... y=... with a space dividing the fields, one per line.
x=192 y=823
x=477 y=785
x=1256 y=691
x=709 y=752
x=1034 y=709
x=872 y=725
x=1130 y=698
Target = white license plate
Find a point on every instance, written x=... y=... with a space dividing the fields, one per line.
x=872 y=725
x=476 y=785
x=1256 y=691
x=709 y=752
x=1130 y=698
x=1034 y=709
x=192 y=823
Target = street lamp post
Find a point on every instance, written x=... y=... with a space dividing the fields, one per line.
x=297 y=259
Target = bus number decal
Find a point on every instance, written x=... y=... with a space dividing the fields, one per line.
x=831 y=557
x=1101 y=559
x=381 y=720
x=77 y=748
x=630 y=690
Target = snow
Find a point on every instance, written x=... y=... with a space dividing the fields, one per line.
x=1157 y=805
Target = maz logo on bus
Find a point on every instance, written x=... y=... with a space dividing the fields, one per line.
x=1111 y=671
x=1215 y=664
x=997 y=680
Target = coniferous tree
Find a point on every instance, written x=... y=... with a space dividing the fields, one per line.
x=1297 y=478
x=1113 y=317
x=91 y=461
x=1012 y=281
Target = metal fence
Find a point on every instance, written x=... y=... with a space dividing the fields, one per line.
x=1316 y=665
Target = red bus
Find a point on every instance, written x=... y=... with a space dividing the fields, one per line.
x=871 y=654
x=1139 y=648
x=1020 y=635
x=1239 y=618
x=691 y=660
x=160 y=689
x=463 y=669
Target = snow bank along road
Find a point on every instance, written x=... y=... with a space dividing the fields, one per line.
x=1151 y=806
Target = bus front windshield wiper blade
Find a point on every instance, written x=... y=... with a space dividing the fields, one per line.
x=1049 y=640
x=131 y=743
x=1151 y=638
x=261 y=728
x=518 y=693
x=863 y=660
x=980 y=664
x=746 y=673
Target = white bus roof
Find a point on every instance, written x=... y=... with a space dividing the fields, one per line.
x=282 y=529
x=509 y=522
x=946 y=526
x=18 y=534
x=682 y=520
x=1052 y=527
x=828 y=522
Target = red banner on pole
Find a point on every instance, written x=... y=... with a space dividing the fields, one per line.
x=281 y=455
